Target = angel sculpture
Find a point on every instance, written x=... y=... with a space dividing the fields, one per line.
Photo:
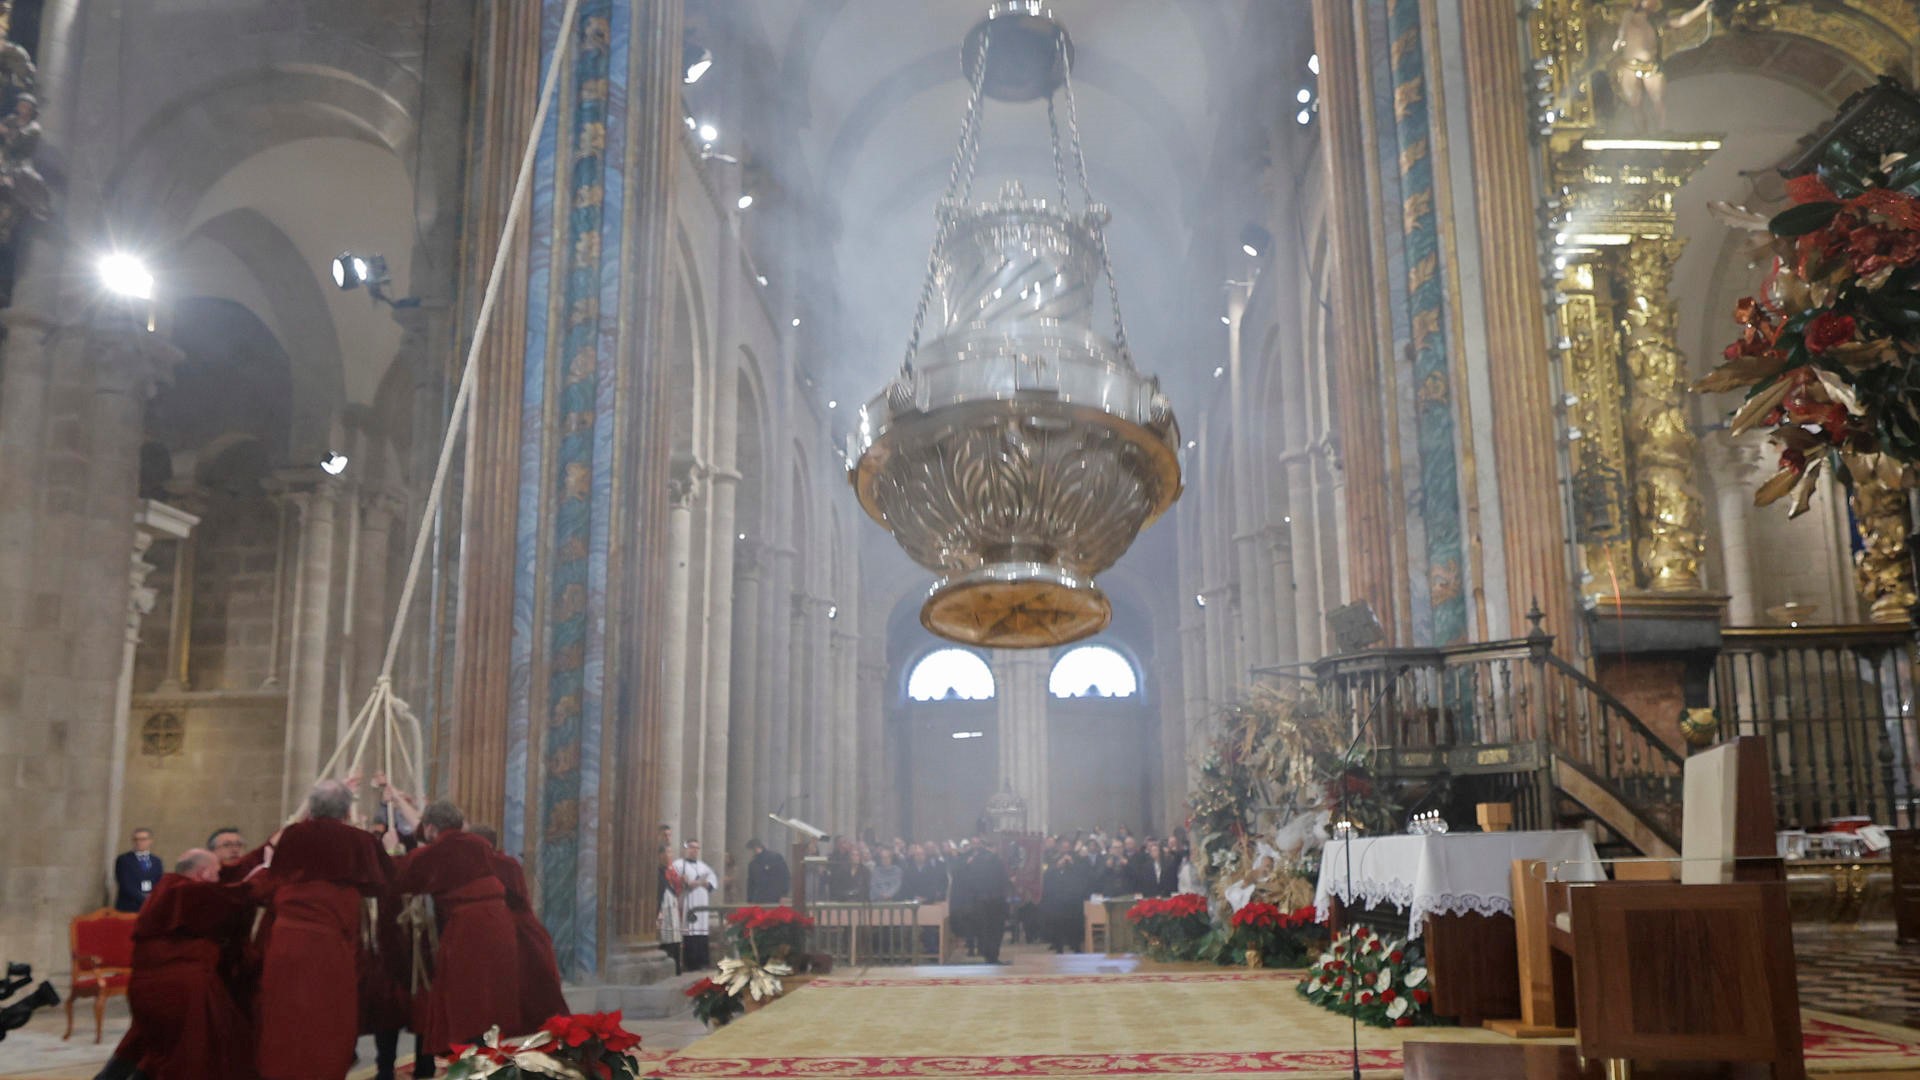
x=1646 y=40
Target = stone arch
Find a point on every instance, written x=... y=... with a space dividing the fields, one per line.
x=298 y=312
x=187 y=144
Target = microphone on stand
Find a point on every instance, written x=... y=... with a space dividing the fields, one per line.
x=1346 y=819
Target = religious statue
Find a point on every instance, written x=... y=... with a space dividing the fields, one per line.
x=23 y=191
x=1646 y=40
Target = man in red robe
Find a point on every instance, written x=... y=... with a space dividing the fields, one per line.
x=476 y=968
x=540 y=992
x=192 y=1029
x=307 y=1004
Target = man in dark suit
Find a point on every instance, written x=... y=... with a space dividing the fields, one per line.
x=136 y=872
x=767 y=875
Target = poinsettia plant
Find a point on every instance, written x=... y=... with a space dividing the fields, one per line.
x=1276 y=939
x=769 y=933
x=1173 y=927
x=1829 y=351
x=1379 y=980
x=713 y=1004
x=592 y=1045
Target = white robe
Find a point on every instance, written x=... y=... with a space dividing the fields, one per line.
x=678 y=914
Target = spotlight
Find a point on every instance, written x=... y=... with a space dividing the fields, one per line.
x=1226 y=320
x=1192 y=443
x=1219 y=371
x=1199 y=599
x=744 y=201
x=1255 y=241
x=743 y=536
x=1303 y=117
x=833 y=611
x=1303 y=96
x=1313 y=63
x=334 y=463
x=708 y=133
x=350 y=271
x=125 y=275
x=690 y=124
x=796 y=320
x=698 y=60
x=833 y=404
x=761 y=278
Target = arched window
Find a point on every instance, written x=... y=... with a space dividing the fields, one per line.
x=1093 y=671
x=950 y=675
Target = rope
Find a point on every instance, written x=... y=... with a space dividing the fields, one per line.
x=399 y=727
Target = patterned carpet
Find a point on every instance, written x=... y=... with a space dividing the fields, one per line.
x=1861 y=972
x=1197 y=1024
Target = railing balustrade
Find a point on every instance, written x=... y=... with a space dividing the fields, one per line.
x=862 y=934
x=1836 y=706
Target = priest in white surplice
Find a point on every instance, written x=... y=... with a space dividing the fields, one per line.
x=683 y=915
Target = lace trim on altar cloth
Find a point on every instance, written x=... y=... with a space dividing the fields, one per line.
x=1455 y=904
x=1374 y=893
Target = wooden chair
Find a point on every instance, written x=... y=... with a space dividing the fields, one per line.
x=101 y=945
x=1696 y=970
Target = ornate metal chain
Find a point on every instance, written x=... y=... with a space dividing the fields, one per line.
x=959 y=182
x=1059 y=165
x=1086 y=192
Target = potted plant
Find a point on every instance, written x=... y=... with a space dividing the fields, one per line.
x=586 y=1044
x=1380 y=981
x=1173 y=927
x=713 y=1004
x=1265 y=936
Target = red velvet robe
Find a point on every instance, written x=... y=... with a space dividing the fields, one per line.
x=476 y=969
x=308 y=1015
x=540 y=993
x=191 y=1028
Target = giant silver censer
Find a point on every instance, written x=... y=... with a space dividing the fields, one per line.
x=1019 y=452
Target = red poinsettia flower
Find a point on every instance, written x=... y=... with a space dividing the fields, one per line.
x=1366 y=997
x=1827 y=330
x=1810 y=188
x=701 y=987
x=1405 y=1021
x=1388 y=995
x=1396 y=956
x=1421 y=997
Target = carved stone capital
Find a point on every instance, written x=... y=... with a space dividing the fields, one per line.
x=683 y=480
x=130 y=360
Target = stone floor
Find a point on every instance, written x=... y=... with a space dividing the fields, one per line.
x=1853 y=971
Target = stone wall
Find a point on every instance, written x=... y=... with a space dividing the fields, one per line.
x=226 y=773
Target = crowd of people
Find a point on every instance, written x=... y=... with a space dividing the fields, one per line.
x=272 y=962
x=977 y=877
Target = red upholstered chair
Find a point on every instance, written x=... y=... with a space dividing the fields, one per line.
x=102 y=946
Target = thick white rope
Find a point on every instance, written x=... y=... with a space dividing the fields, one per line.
x=384 y=709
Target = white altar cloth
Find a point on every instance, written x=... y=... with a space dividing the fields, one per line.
x=1447 y=874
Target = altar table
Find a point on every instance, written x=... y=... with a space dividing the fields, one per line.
x=1458 y=894
x=1446 y=874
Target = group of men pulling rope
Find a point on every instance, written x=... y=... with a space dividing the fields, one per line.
x=273 y=962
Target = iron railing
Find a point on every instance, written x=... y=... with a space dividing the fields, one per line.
x=1836 y=706
x=1507 y=708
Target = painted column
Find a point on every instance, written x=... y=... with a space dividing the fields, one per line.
x=1370 y=520
x=682 y=489
x=315 y=496
x=1527 y=457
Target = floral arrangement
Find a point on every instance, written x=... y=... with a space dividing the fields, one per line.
x=1173 y=927
x=1381 y=981
x=1268 y=937
x=713 y=1004
x=590 y=1045
x=1829 y=352
x=1277 y=749
x=768 y=934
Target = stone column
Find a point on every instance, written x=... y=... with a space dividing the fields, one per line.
x=799 y=734
x=379 y=507
x=723 y=487
x=675 y=761
x=315 y=497
x=1020 y=678
x=1276 y=557
x=1300 y=548
x=846 y=775
x=879 y=792
x=745 y=729
x=779 y=691
x=1669 y=539
x=152 y=521
x=1735 y=469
